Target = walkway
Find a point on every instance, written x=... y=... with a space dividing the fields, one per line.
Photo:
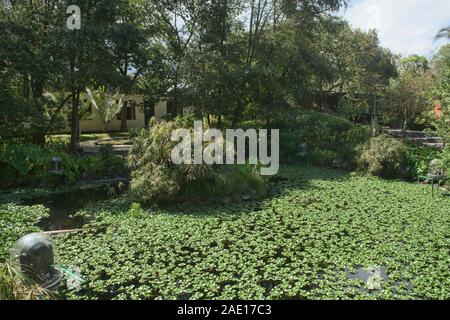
x=417 y=136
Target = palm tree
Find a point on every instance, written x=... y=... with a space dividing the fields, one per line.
x=443 y=33
x=106 y=103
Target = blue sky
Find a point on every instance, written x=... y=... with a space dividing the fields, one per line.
x=405 y=26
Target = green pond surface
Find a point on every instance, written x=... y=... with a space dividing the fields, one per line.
x=319 y=235
x=315 y=237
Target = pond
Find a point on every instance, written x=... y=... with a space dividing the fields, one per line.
x=64 y=206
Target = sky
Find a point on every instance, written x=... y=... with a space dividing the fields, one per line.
x=404 y=26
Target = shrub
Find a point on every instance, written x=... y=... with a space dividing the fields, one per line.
x=382 y=156
x=133 y=133
x=103 y=164
x=323 y=157
x=155 y=179
x=25 y=158
x=349 y=108
x=322 y=129
x=322 y=133
x=446 y=159
x=419 y=157
x=96 y=167
x=228 y=181
x=25 y=164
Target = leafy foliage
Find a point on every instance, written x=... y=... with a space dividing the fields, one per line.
x=107 y=104
x=382 y=156
x=441 y=74
x=156 y=179
x=325 y=135
x=319 y=226
x=15 y=222
x=29 y=164
x=420 y=157
x=408 y=95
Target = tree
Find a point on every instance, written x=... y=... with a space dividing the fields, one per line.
x=354 y=68
x=441 y=74
x=408 y=96
x=256 y=66
x=212 y=62
x=414 y=63
x=441 y=90
x=443 y=33
x=134 y=51
x=107 y=104
x=88 y=55
x=31 y=61
x=177 y=23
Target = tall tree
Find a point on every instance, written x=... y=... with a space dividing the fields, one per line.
x=443 y=33
x=31 y=59
x=177 y=23
x=133 y=48
x=408 y=96
x=440 y=66
x=88 y=55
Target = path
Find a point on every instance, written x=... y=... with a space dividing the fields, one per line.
x=417 y=136
x=92 y=147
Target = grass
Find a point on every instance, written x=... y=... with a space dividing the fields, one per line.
x=319 y=227
x=12 y=288
x=65 y=138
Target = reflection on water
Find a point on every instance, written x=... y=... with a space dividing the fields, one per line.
x=63 y=207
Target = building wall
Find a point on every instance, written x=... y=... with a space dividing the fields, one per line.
x=94 y=124
x=160 y=109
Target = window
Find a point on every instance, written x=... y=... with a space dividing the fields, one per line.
x=171 y=110
x=90 y=112
x=131 y=110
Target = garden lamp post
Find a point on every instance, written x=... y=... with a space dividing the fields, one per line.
x=56 y=166
x=303 y=150
x=57 y=169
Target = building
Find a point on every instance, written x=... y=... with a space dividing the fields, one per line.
x=139 y=112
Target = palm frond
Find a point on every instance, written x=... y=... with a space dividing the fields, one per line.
x=443 y=33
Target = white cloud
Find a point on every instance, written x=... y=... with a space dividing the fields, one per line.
x=405 y=26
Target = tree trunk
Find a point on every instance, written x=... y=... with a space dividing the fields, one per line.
x=123 y=120
x=75 y=121
x=219 y=121
x=236 y=114
x=39 y=138
x=26 y=87
x=405 y=121
x=75 y=125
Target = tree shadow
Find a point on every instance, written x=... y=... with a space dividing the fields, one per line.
x=290 y=178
